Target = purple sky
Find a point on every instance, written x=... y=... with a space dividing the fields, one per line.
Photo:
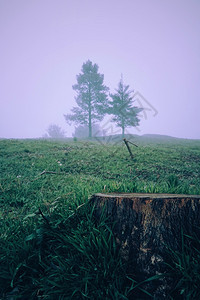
x=155 y=44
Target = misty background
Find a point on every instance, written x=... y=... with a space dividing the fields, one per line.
x=154 y=44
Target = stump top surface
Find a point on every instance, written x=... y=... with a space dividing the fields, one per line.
x=147 y=196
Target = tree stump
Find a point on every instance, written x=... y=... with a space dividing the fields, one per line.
x=144 y=224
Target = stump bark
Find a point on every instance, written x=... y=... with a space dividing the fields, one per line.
x=145 y=224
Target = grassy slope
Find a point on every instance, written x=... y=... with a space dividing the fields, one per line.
x=81 y=169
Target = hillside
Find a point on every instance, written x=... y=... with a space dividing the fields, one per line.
x=50 y=242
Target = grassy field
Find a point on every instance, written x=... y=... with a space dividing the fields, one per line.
x=50 y=245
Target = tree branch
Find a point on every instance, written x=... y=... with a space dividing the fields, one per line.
x=129 y=149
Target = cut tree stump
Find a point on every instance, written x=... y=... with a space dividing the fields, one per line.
x=144 y=224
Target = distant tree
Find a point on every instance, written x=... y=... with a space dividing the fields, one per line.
x=82 y=131
x=55 y=132
x=121 y=107
x=91 y=97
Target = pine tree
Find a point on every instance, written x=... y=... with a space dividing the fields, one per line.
x=91 y=97
x=121 y=107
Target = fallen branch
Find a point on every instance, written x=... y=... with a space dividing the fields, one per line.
x=48 y=172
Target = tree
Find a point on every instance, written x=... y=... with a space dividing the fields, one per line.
x=91 y=97
x=82 y=131
x=122 y=109
x=55 y=132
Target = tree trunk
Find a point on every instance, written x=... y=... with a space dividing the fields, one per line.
x=122 y=131
x=90 y=114
x=144 y=224
x=90 y=127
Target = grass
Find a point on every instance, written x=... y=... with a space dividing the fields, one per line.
x=51 y=245
x=184 y=268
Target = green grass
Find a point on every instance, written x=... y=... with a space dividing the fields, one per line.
x=51 y=246
x=184 y=268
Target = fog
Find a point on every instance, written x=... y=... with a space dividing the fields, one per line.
x=154 y=44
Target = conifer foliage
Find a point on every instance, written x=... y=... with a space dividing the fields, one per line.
x=91 y=99
x=125 y=114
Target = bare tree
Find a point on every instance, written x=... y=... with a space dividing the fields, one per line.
x=82 y=131
x=55 y=132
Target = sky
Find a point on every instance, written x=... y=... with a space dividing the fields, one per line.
x=154 y=44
